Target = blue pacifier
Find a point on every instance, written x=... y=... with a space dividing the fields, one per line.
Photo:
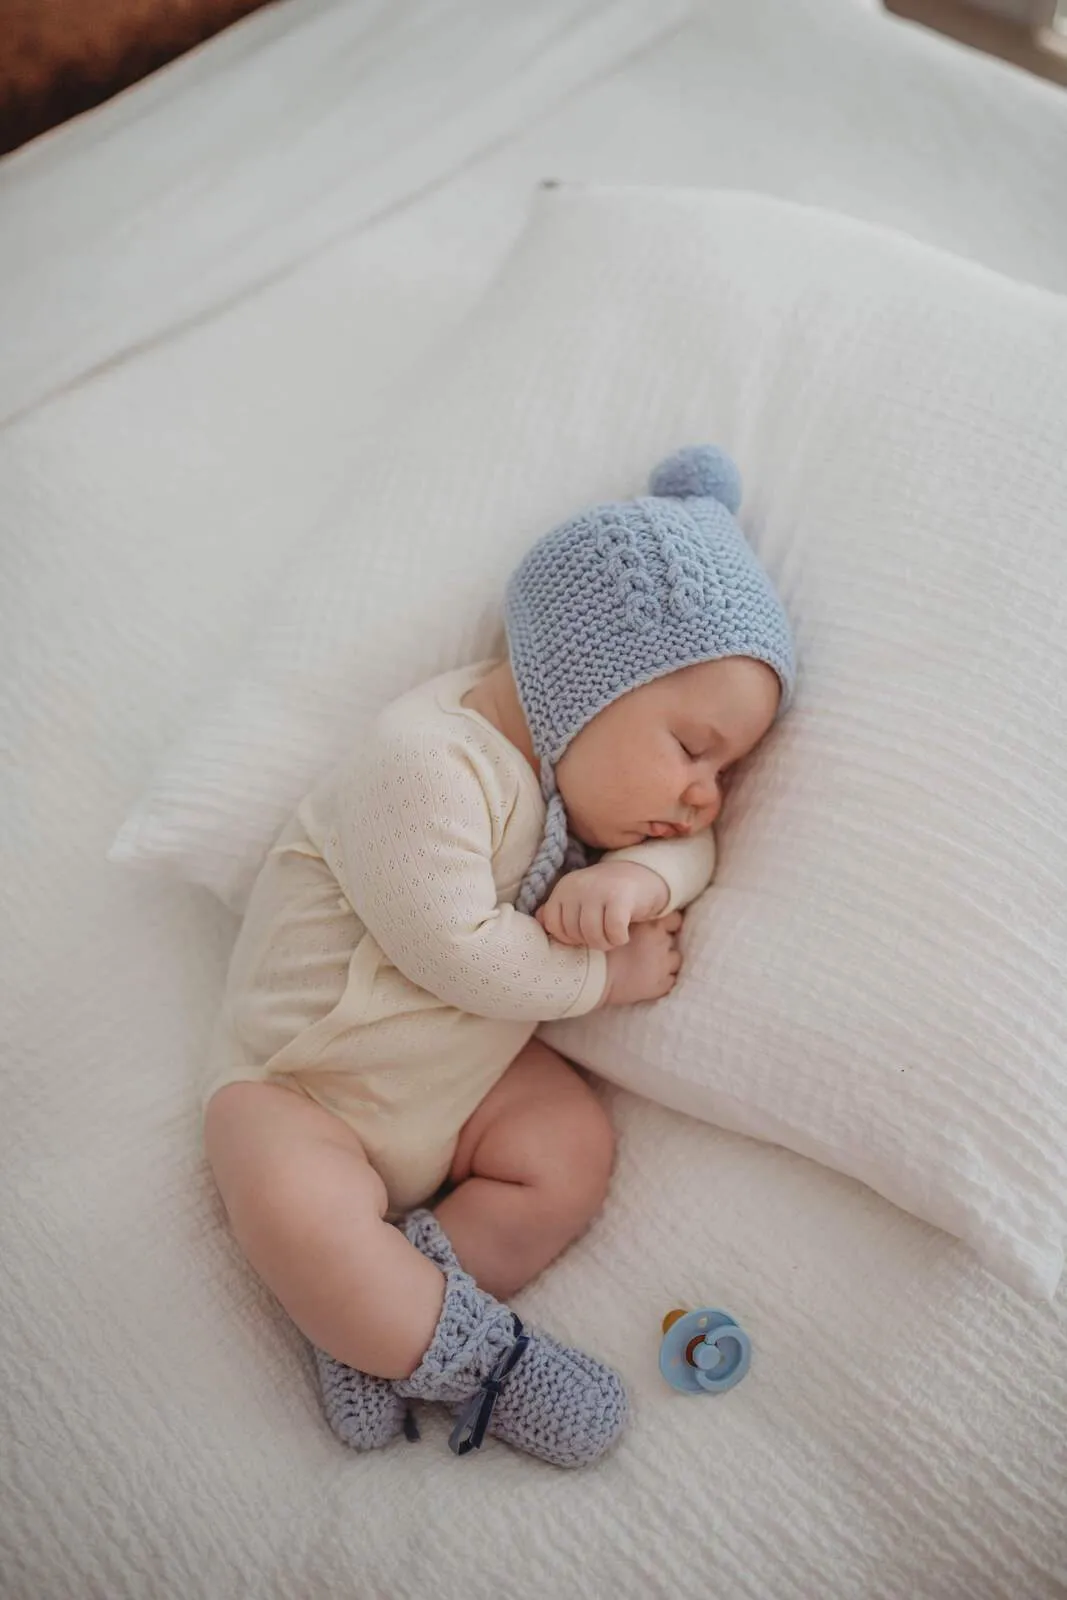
x=703 y=1352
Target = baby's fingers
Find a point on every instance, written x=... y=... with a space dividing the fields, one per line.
x=673 y=923
x=572 y=923
x=591 y=925
x=550 y=918
x=616 y=926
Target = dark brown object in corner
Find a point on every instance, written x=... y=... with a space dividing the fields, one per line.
x=61 y=57
x=1037 y=49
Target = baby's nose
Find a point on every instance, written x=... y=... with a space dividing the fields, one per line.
x=705 y=801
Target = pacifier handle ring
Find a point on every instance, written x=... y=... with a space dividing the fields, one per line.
x=703 y=1351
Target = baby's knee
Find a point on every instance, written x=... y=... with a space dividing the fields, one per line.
x=578 y=1171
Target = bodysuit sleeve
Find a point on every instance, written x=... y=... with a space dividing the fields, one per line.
x=412 y=849
x=686 y=866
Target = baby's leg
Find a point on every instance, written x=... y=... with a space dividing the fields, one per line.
x=532 y=1169
x=307 y=1209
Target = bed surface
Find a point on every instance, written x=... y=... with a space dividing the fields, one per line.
x=253 y=155
x=902 y=1430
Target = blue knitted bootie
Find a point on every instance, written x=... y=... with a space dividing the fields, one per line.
x=364 y=1412
x=556 y=1404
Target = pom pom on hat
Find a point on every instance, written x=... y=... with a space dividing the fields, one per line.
x=698 y=472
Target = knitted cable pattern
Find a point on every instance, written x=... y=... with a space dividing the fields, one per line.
x=616 y=544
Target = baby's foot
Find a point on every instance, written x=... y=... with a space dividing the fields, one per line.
x=556 y=1404
x=365 y=1412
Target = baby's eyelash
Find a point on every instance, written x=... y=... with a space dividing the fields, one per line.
x=699 y=755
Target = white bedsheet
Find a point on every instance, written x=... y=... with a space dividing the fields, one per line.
x=252 y=155
x=902 y=1430
x=411 y=134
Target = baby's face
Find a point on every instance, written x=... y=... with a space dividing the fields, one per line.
x=651 y=765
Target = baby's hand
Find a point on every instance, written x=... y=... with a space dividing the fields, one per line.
x=646 y=968
x=595 y=906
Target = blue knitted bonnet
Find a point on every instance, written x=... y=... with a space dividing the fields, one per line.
x=626 y=593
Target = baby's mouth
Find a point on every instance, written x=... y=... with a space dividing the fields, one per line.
x=669 y=830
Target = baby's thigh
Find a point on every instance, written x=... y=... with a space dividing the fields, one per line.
x=541 y=1126
x=281 y=1163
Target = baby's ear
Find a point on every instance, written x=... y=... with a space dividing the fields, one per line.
x=701 y=471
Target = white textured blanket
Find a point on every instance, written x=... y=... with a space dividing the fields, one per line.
x=901 y=1432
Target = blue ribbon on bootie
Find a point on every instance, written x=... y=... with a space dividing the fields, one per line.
x=477 y=1414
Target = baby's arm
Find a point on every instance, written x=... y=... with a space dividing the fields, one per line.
x=413 y=853
x=596 y=906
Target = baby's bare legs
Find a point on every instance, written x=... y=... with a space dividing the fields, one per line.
x=531 y=1169
x=307 y=1209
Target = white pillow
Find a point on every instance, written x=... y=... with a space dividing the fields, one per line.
x=877 y=979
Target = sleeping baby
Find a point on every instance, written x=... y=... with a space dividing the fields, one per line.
x=513 y=843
